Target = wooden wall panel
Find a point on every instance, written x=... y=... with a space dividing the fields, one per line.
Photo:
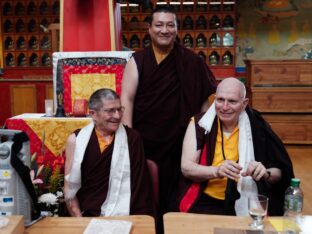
x=294 y=99
x=282 y=91
x=23 y=99
x=293 y=129
x=285 y=72
x=49 y=92
x=10 y=89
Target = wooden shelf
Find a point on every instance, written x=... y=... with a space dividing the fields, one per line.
x=140 y=29
x=16 y=20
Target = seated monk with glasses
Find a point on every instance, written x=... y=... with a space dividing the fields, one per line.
x=105 y=169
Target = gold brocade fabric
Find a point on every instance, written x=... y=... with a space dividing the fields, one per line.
x=82 y=88
x=53 y=132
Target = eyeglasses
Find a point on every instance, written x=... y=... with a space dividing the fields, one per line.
x=112 y=111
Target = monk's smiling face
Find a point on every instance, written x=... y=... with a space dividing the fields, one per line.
x=108 y=117
x=230 y=102
x=163 y=29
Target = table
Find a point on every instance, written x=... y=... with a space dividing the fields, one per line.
x=74 y=225
x=47 y=134
x=15 y=226
x=176 y=223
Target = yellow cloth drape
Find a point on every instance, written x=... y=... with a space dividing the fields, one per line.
x=53 y=132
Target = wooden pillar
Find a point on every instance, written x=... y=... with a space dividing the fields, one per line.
x=90 y=25
x=55 y=28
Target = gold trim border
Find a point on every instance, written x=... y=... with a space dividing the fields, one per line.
x=112 y=25
x=61 y=26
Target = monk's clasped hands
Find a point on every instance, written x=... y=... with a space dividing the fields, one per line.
x=256 y=170
x=233 y=170
x=229 y=169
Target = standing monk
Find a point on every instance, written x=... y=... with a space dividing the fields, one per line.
x=163 y=86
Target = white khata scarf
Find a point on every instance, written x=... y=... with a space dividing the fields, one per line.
x=117 y=202
x=246 y=186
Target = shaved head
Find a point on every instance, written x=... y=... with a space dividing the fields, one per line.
x=234 y=84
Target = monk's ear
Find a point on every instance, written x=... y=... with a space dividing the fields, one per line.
x=245 y=102
x=91 y=112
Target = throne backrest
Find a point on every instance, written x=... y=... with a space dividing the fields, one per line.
x=76 y=75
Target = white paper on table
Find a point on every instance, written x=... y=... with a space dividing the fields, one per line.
x=4 y=222
x=104 y=226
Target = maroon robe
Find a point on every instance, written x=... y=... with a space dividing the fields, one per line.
x=95 y=171
x=168 y=94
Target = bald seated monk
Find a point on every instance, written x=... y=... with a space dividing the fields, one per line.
x=230 y=153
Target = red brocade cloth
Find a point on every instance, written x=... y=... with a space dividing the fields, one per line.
x=76 y=75
x=89 y=83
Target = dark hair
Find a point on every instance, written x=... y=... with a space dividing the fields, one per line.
x=163 y=8
x=95 y=101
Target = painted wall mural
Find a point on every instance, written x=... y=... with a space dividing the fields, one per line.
x=273 y=29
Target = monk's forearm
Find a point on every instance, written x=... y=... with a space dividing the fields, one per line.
x=127 y=116
x=72 y=203
x=130 y=82
x=73 y=207
x=199 y=173
x=128 y=103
